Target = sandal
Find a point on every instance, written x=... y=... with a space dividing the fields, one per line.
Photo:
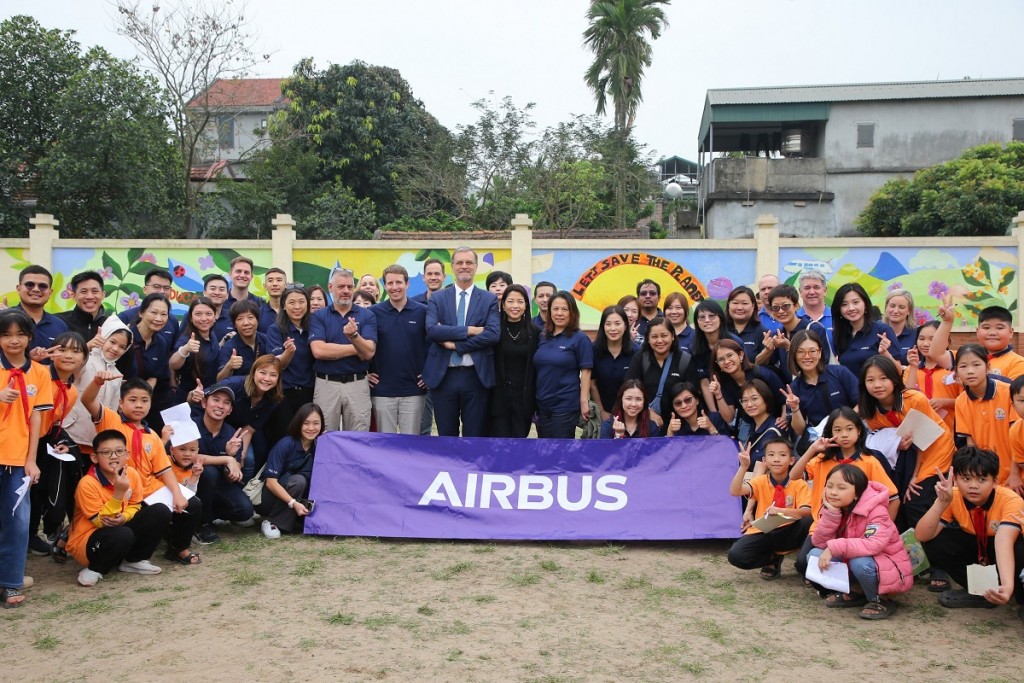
x=11 y=597
x=187 y=560
x=938 y=582
x=772 y=571
x=878 y=609
x=845 y=600
x=58 y=550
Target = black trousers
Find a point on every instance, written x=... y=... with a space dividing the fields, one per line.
x=513 y=422
x=953 y=549
x=136 y=540
x=277 y=423
x=758 y=550
x=912 y=510
x=53 y=498
x=183 y=525
x=277 y=510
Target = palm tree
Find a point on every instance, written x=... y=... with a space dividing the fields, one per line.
x=617 y=36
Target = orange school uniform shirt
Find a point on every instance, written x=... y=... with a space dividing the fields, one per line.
x=65 y=395
x=762 y=490
x=999 y=510
x=1006 y=363
x=185 y=477
x=818 y=468
x=987 y=419
x=36 y=396
x=1017 y=442
x=151 y=461
x=94 y=498
x=933 y=384
x=940 y=453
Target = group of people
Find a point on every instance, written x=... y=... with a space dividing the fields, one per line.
x=799 y=386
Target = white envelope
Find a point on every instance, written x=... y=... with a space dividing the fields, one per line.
x=924 y=429
x=163 y=496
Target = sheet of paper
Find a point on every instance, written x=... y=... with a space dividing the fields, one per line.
x=162 y=496
x=180 y=418
x=21 y=492
x=771 y=522
x=921 y=426
x=886 y=442
x=836 y=577
x=980 y=578
x=66 y=457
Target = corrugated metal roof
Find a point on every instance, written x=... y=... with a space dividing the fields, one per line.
x=916 y=90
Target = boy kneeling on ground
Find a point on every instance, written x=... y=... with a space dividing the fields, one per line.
x=111 y=527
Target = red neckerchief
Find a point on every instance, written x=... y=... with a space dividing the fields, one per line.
x=979 y=517
x=61 y=405
x=999 y=353
x=893 y=418
x=95 y=472
x=18 y=377
x=929 y=385
x=779 y=496
x=137 y=449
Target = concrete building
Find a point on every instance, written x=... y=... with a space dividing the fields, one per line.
x=813 y=155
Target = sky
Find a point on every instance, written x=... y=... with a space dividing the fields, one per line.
x=454 y=52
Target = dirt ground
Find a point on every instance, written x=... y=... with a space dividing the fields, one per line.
x=318 y=609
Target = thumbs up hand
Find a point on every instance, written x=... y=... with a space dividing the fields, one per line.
x=10 y=394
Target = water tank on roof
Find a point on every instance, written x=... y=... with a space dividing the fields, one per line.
x=794 y=142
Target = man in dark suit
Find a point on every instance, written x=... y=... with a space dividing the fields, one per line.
x=463 y=327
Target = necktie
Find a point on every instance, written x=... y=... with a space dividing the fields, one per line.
x=980 y=520
x=461 y=314
x=929 y=381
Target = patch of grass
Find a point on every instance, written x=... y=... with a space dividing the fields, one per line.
x=247 y=559
x=180 y=588
x=692 y=575
x=306 y=644
x=864 y=644
x=636 y=583
x=341 y=618
x=667 y=592
x=610 y=549
x=550 y=566
x=458 y=627
x=482 y=549
x=426 y=611
x=342 y=549
x=46 y=643
x=51 y=598
x=594 y=576
x=379 y=621
x=162 y=602
x=247 y=578
x=929 y=611
x=308 y=568
x=523 y=579
x=146 y=589
x=712 y=630
x=451 y=571
x=695 y=668
x=484 y=599
x=986 y=627
x=251 y=606
x=452 y=655
x=215 y=604
x=100 y=605
x=724 y=594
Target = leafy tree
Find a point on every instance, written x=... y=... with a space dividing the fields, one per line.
x=339 y=215
x=496 y=146
x=362 y=122
x=975 y=194
x=618 y=37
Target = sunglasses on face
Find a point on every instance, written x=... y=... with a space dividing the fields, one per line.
x=41 y=286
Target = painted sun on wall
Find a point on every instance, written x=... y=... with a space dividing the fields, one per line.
x=974 y=277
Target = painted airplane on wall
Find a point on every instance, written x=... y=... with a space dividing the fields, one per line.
x=800 y=265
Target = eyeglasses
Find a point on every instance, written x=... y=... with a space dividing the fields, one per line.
x=749 y=400
x=41 y=286
x=684 y=401
x=781 y=308
x=160 y=288
x=807 y=353
x=651 y=293
x=116 y=453
x=707 y=316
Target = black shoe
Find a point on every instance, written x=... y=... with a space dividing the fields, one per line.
x=37 y=545
x=205 y=535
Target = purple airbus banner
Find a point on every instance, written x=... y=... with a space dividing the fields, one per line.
x=391 y=485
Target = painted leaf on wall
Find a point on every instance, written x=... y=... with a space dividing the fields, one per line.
x=115 y=267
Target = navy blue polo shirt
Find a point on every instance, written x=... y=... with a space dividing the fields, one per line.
x=864 y=345
x=251 y=297
x=836 y=387
x=825 y=321
x=299 y=372
x=779 y=360
x=538 y=322
x=47 y=330
x=610 y=372
x=731 y=390
x=267 y=318
x=288 y=457
x=906 y=340
x=172 y=330
x=207 y=360
x=210 y=443
x=607 y=432
x=401 y=348
x=558 y=361
x=685 y=339
x=151 y=361
x=751 y=339
x=248 y=353
x=243 y=412
x=721 y=426
x=702 y=363
x=767 y=321
x=223 y=325
x=327 y=325
x=642 y=323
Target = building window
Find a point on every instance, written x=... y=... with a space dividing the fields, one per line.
x=1018 y=130
x=226 y=132
x=865 y=135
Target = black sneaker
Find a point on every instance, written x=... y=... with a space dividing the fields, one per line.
x=37 y=545
x=205 y=535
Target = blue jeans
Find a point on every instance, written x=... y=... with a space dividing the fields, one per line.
x=557 y=425
x=248 y=465
x=13 y=528
x=222 y=498
x=863 y=570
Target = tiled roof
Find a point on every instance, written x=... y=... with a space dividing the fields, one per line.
x=866 y=92
x=243 y=93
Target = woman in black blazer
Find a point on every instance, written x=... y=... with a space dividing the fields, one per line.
x=512 y=398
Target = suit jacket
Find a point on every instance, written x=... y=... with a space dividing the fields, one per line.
x=442 y=326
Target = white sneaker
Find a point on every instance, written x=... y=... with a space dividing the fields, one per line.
x=269 y=530
x=251 y=522
x=140 y=567
x=88 y=577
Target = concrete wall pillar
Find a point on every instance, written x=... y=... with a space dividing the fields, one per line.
x=522 y=250
x=282 y=240
x=41 y=238
x=766 y=235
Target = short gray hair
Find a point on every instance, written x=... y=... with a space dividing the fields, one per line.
x=343 y=272
x=813 y=275
x=460 y=250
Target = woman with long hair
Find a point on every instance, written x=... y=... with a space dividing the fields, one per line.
x=288 y=338
x=613 y=351
x=856 y=332
x=630 y=416
x=288 y=474
x=659 y=364
x=563 y=361
x=512 y=397
x=741 y=319
x=689 y=415
x=194 y=357
x=152 y=355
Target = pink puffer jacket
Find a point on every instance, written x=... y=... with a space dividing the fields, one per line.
x=869 y=533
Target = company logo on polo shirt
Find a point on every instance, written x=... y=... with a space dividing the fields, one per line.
x=1000 y=414
x=148 y=447
x=995 y=371
x=31 y=389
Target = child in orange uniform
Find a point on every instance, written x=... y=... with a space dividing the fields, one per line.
x=773 y=493
x=984 y=412
x=26 y=394
x=111 y=527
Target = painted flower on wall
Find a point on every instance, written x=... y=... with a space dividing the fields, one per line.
x=921 y=316
x=107 y=273
x=130 y=301
x=148 y=258
x=894 y=286
x=938 y=289
x=206 y=262
x=67 y=293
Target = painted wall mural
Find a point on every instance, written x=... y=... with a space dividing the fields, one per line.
x=12 y=260
x=598 y=278
x=313 y=266
x=123 y=271
x=975 y=277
